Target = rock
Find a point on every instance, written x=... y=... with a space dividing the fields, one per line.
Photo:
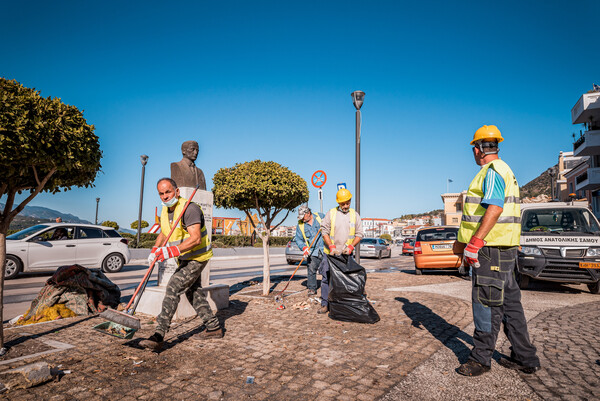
x=26 y=376
x=215 y=395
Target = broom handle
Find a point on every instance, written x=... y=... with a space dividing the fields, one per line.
x=303 y=257
x=149 y=272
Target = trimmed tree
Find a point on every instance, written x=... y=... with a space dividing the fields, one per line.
x=386 y=237
x=144 y=224
x=112 y=224
x=266 y=187
x=45 y=145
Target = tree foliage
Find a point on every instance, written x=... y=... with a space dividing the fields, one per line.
x=266 y=187
x=45 y=145
x=134 y=225
x=109 y=223
x=386 y=237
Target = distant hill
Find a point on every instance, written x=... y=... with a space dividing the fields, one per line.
x=538 y=186
x=433 y=213
x=47 y=214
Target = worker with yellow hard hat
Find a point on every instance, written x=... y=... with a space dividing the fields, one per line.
x=491 y=229
x=342 y=230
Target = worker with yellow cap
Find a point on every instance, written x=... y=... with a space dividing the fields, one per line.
x=491 y=229
x=342 y=230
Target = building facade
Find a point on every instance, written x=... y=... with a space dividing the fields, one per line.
x=453 y=204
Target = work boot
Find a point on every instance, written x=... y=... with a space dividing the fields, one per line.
x=312 y=292
x=208 y=334
x=472 y=368
x=323 y=309
x=154 y=342
x=514 y=365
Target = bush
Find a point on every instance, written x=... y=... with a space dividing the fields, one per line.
x=147 y=240
x=386 y=237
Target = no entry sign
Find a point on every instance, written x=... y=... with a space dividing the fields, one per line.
x=319 y=178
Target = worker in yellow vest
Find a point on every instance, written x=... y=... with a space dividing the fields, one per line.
x=342 y=230
x=190 y=244
x=491 y=229
x=307 y=233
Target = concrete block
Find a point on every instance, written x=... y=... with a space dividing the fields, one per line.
x=151 y=301
x=26 y=376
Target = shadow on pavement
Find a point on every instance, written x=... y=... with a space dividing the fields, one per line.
x=235 y=308
x=448 y=334
x=24 y=338
x=275 y=280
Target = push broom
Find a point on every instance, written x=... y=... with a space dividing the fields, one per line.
x=126 y=318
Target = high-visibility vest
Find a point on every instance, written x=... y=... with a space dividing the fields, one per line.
x=351 y=234
x=301 y=227
x=507 y=230
x=199 y=253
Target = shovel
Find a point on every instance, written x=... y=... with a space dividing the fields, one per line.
x=124 y=324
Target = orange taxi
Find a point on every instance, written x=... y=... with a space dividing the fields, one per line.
x=436 y=248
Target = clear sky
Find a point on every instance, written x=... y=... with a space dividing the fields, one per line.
x=272 y=81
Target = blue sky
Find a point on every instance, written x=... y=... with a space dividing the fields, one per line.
x=272 y=81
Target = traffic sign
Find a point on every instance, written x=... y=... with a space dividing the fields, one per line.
x=319 y=178
x=341 y=185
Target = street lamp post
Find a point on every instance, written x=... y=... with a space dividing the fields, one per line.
x=144 y=160
x=358 y=99
x=97 y=202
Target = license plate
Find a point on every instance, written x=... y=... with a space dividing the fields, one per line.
x=589 y=265
x=441 y=247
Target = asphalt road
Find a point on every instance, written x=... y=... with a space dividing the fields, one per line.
x=19 y=293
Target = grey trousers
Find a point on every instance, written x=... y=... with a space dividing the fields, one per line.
x=496 y=300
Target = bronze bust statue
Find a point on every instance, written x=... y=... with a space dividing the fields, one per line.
x=185 y=173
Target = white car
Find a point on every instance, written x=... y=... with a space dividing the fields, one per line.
x=51 y=245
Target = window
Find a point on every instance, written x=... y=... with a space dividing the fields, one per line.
x=437 y=234
x=455 y=219
x=58 y=234
x=111 y=234
x=88 y=233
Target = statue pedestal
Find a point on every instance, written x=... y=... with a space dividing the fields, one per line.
x=217 y=294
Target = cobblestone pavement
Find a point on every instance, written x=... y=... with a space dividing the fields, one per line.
x=568 y=343
x=291 y=353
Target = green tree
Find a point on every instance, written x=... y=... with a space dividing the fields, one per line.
x=109 y=223
x=266 y=187
x=144 y=224
x=386 y=237
x=45 y=145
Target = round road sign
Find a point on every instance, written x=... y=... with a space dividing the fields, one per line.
x=319 y=178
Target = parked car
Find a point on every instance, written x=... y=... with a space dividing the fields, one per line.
x=51 y=245
x=375 y=248
x=293 y=254
x=434 y=249
x=560 y=242
x=408 y=245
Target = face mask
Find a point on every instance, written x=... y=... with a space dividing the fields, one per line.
x=171 y=202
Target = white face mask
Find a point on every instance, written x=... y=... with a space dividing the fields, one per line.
x=171 y=202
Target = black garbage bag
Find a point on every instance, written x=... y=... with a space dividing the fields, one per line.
x=347 y=301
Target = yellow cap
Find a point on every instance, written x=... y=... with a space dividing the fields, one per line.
x=487 y=133
x=343 y=195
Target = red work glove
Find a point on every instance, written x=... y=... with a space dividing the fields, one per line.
x=305 y=251
x=348 y=249
x=333 y=250
x=167 y=252
x=471 y=252
x=152 y=255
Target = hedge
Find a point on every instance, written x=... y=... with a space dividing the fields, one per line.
x=218 y=241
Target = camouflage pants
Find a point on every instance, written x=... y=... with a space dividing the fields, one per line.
x=186 y=279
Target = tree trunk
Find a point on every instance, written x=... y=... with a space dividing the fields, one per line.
x=2 y=263
x=266 y=263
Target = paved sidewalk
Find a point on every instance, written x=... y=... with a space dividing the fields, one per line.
x=294 y=354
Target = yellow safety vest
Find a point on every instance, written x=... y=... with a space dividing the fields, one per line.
x=199 y=253
x=507 y=230
x=301 y=227
x=351 y=234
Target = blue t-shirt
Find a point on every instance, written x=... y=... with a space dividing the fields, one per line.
x=493 y=189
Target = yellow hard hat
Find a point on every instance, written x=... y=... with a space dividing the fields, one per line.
x=486 y=133
x=343 y=195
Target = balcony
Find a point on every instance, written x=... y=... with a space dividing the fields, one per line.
x=588 y=144
x=589 y=180
x=586 y=108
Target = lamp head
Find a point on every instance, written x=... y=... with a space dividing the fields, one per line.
x=358 y=98
x=144 y=159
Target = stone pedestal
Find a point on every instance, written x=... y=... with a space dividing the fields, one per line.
x=217 y=295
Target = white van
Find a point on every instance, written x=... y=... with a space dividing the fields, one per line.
x=559 y=242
